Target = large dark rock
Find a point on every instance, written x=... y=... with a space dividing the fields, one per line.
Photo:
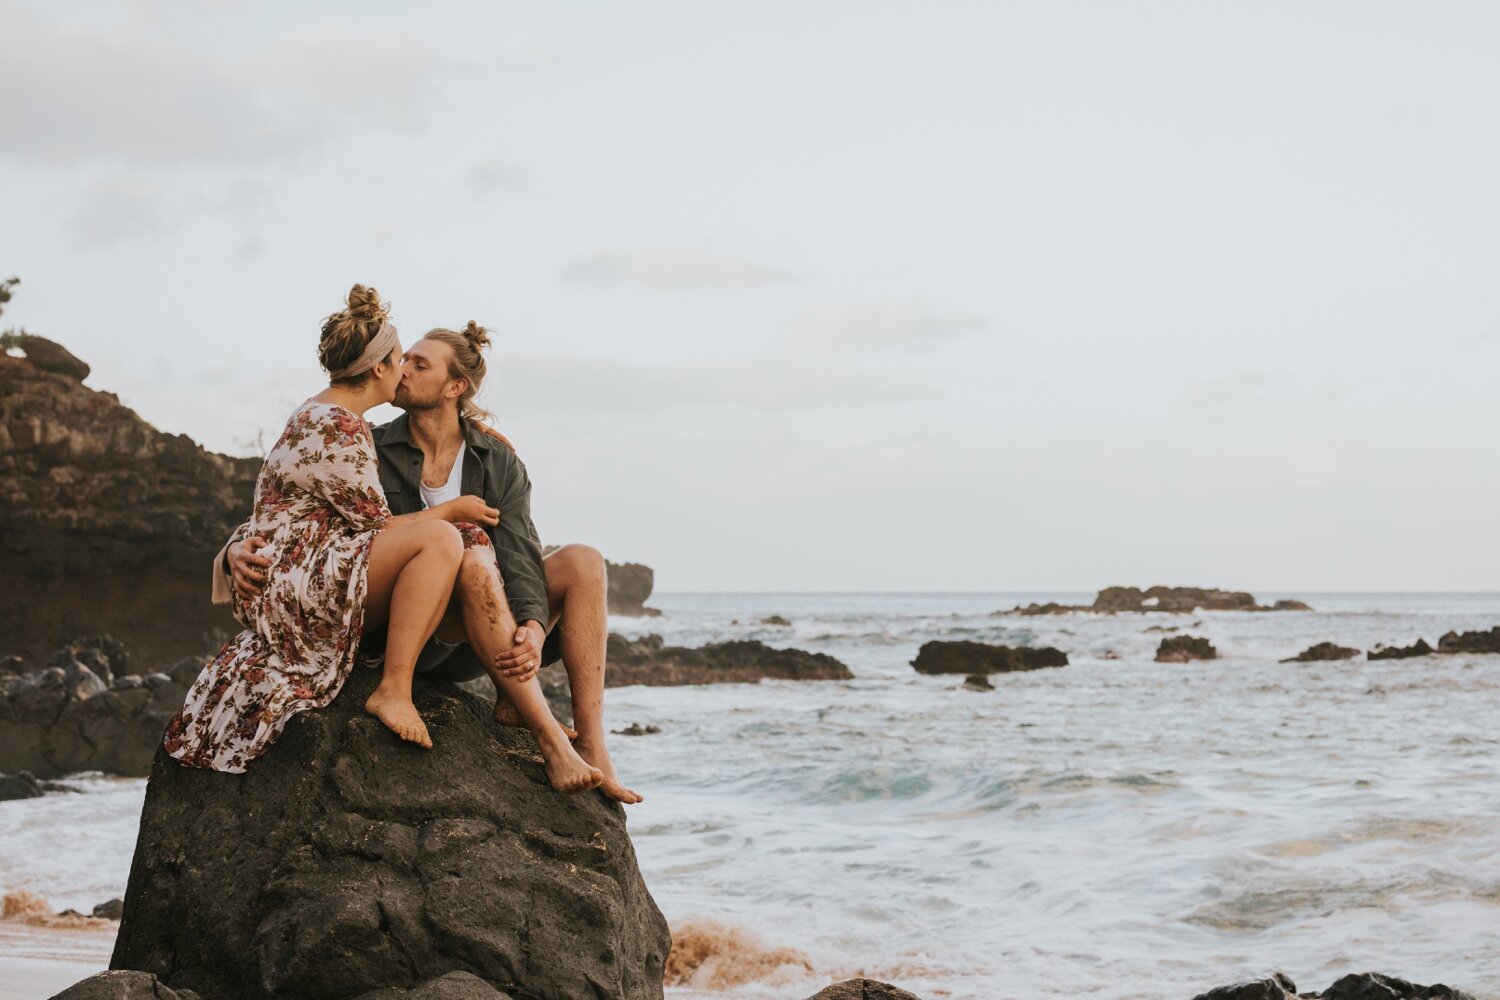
x=50 y=356
x=1360 y=986
x=1277 y=987
x=123 y=984
x=1471 y=642
x=345 y=861
x=863 y=989
x=1173 y=600
x=629 y=586
x=106 y=524
x=67 y=718
x=964 y=657
x=649 y=661
x=1418 y=648
x=1323 y=651
x=1182 y=648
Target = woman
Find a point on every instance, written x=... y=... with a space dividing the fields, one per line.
x=340 y=564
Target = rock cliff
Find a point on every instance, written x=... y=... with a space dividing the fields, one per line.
x=106 y=524
x=345 y=862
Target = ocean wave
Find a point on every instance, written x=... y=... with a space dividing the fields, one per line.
x=710 y=955
x=22 y=907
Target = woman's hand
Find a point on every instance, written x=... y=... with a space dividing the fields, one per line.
x=247 y=568
x=469 y=508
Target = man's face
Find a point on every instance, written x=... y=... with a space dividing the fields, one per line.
x=424 y=378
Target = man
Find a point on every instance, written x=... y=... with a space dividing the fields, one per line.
x=538 y=608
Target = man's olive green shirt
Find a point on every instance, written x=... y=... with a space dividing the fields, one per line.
x=492 y=471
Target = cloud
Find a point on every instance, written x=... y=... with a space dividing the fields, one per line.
x=891 y=325
x=671 y=269
x=118 y=210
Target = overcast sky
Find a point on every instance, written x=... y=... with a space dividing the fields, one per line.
x=806 y=296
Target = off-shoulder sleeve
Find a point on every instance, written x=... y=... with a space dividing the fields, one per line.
x=341 y=469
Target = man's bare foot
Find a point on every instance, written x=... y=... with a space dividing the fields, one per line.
x=506 y=715
x=598 y=756
x=567 y=771
x=400 y=716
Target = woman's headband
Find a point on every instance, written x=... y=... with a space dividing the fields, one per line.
x=376 y=351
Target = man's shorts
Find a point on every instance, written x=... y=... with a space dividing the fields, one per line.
x=457 y=662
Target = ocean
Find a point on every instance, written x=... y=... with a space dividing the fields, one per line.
x=1116 y=827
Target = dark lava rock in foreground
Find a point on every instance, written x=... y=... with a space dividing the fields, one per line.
x=1471 y=642
x=82 y=713
x=863 y=989
x=964 y=657
x=1418 y=648
x=1360 y=986
x=345 y=862
x=1182 y=648
x=1323 y=651
x=649 y=661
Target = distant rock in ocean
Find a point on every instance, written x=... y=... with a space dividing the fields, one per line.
x=1173 y=600
x=649 y=661
x=344 y=862
x=1323 y=651
x=1418 y=648
x=1357 y=986
x=1182 y=648
x=629 y=586
x=964 y=657
x=1470 y=642
x=106 y=524
x=863 y=989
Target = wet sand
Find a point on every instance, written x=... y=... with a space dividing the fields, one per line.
x=39 y=962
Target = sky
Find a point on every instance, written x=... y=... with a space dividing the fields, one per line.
x=873 y=296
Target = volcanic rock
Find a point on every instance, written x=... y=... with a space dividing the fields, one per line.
x=978 y=682
x=112 y=909
x=1173 y=600
x=453 y=986
x=66 y=718
x=123 y=984
x=964 y=657
x=1278 y=987
x=649 y=661
x=19 y=786
x=636 y=729
x=1418 y=648
x=1360 y=986
x=629 y=586
x=1290 y=605
x=1050 y=608
x=1182 y=648
x=1323 y=651
x=106 y=524
x=1470 y=642
x=776 y=620
x=863 y=989
x=345 y=861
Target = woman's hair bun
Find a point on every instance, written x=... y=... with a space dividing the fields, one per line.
x=477 y=336
x=365 y=305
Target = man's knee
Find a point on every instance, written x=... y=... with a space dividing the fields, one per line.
x=573 y=564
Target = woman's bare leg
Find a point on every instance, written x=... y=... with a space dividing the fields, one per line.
x=578 y=591
x=491 y=630
x=411 y=573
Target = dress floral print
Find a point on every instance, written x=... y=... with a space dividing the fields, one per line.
x=319 y=505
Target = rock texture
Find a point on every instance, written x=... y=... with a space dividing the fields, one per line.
x=1182 y=648
x=1359 y=986
x=1174 y=600
x=346 y=862
x=649 y=661
x=1470 y=642
x=1418 y=648
x=1323 y=651
x=123 y=984
x=19 y=786
x=964 y=657
x=81 y=713
x=863 y=989
x=106 y=524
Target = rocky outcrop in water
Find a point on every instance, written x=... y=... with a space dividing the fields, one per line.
x=629 y=586
x=1321 y=652
x=1359 y=986
x=345 y=862
x=1418 y=648
x=964 y=657
x=1182 y=648
x=19 y=786
x=650 y=661
x=106 y=524
x=82 y=712
x=1470 y=642
x=1173 y=600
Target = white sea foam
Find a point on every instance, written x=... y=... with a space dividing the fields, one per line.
x=1116 y=826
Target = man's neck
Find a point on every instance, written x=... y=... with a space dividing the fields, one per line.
x=435 y=430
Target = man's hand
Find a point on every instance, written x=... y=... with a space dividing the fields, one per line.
x=521 y=660
x=248 y=569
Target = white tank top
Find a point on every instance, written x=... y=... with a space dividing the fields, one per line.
x=434 y=495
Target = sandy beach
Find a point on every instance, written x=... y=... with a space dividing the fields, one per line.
x=37 y=962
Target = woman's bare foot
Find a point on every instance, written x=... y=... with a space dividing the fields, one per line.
x=598 y=756
x=506 y=715
x=567 y=771
x=399 y=715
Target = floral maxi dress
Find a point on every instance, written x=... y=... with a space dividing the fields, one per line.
x=319 y=504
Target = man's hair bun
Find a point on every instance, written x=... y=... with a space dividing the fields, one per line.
x=477 y=336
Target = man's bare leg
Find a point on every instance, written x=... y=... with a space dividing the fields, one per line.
x=578 y=591
x=491 y=630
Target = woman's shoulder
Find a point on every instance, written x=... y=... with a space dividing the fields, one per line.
x=330 y=419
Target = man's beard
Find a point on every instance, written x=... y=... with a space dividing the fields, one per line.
x=407 y=400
